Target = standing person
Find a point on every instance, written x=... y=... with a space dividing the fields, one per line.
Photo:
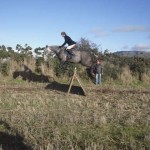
x=99 y=72
x=70 y=42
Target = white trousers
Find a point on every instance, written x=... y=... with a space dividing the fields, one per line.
x=71 y=46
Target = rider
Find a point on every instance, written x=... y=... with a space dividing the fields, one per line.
x=70 y=42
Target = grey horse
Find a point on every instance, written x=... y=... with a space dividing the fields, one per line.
x=80 y=56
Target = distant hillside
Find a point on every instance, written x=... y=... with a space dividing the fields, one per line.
x=145 y=54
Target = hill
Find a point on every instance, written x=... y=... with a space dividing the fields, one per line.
x=145 y=54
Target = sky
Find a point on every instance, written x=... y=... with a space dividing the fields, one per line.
x=115 y=25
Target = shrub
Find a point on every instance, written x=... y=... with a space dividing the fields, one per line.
x=5 y=68
x=38 y=63
x=111 y=71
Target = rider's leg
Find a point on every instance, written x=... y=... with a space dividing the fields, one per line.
x=69 y=51
x=69 y=54
x=71 y=46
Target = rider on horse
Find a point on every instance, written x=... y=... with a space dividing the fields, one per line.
x=70 y=42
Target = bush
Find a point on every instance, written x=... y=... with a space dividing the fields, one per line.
x=4 y=68
x=65 y=69
x=38 y=63
x=4 y=54
x=111 y=71
x=138 y=67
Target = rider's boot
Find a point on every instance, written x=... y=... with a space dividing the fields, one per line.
x=72 y=54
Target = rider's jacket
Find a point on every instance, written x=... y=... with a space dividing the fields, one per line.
x=68 y=41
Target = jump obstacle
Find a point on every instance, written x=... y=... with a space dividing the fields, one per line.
x=75 y=76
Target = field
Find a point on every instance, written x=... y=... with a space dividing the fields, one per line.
x=41 y=116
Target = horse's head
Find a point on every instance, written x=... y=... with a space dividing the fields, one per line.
x=51 y=50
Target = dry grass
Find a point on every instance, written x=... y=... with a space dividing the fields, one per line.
x=109 y=117
x=126 y=76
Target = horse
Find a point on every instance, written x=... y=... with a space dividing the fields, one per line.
x=79 y=56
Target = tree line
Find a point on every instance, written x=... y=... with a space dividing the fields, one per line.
x=113 y=64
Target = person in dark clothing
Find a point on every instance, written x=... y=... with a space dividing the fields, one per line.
x=70 y=42
x=98 y=71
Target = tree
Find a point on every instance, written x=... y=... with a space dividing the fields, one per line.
x=3 y=48
x=86 y=45
x=39 y=51
x=92 y=48
x=9 y=48
x=19 y=47
x=106 y=52
x=3 y=52
x=27 y=49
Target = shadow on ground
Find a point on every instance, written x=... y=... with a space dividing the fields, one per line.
x=29 y=75
x=64 y=88
x=9 y=141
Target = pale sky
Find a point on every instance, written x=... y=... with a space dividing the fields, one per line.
x=114 y=24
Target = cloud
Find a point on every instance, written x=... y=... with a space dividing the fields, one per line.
x=140 y=47
x=132 y=29
x=97 y=32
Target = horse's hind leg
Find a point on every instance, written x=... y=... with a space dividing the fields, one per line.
x=90 y=73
